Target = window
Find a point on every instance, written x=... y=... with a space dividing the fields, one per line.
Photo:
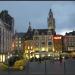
x=49 y=43
x=16 y=42
x=20 y=45
x=43 y=38
x=43 y=43
x=19 y=41
x=36 y=38
x=37 y=44
x=16 y=45
x=50 y=24
x=19 y=38
x=49 y=32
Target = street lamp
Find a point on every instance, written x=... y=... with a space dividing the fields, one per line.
x=64 y=68
x=28 y=59
x=45 y=66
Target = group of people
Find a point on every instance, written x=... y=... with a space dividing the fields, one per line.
x=52 y=60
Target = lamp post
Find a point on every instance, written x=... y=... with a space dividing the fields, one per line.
x=29 y=53
x=45 y=67
x=28 y=59
x=64 y=68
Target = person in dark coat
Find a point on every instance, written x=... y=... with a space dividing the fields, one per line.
x=60 y=59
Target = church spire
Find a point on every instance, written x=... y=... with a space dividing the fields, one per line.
x=29 y=28
x=50 y=13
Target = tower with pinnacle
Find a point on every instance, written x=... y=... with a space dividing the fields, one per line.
x=51 y=23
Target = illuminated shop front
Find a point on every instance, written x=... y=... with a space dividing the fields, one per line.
x=2 y=57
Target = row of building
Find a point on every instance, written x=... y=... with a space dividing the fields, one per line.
x=44 y=40
x=49 y=43
x=34 y=40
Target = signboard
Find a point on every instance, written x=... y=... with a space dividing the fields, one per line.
x=57 y=37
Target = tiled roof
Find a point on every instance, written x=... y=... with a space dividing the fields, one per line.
x=29 y=35
x=41 y=31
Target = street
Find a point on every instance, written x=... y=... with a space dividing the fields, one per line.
x=46 y=68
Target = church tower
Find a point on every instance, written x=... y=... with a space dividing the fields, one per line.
x=51 y=23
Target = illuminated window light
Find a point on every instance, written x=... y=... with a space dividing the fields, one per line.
x=28 y=47
x=43 y=49
x=3 y=58
x=30 y=51
x=31 y=47
x=13 y=45
x=48 y=54
x=19 y=45
x=31 y=56
x=26 y=51
x=53 y=50
x=37 y=56
x=19 y=41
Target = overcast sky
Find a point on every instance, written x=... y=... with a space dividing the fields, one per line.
x=37 y=12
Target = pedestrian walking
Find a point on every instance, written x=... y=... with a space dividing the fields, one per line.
x=60 y=59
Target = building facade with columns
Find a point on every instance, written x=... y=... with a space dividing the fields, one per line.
x=6 y=32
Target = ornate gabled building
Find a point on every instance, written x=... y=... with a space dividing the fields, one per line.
x=40 y=39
